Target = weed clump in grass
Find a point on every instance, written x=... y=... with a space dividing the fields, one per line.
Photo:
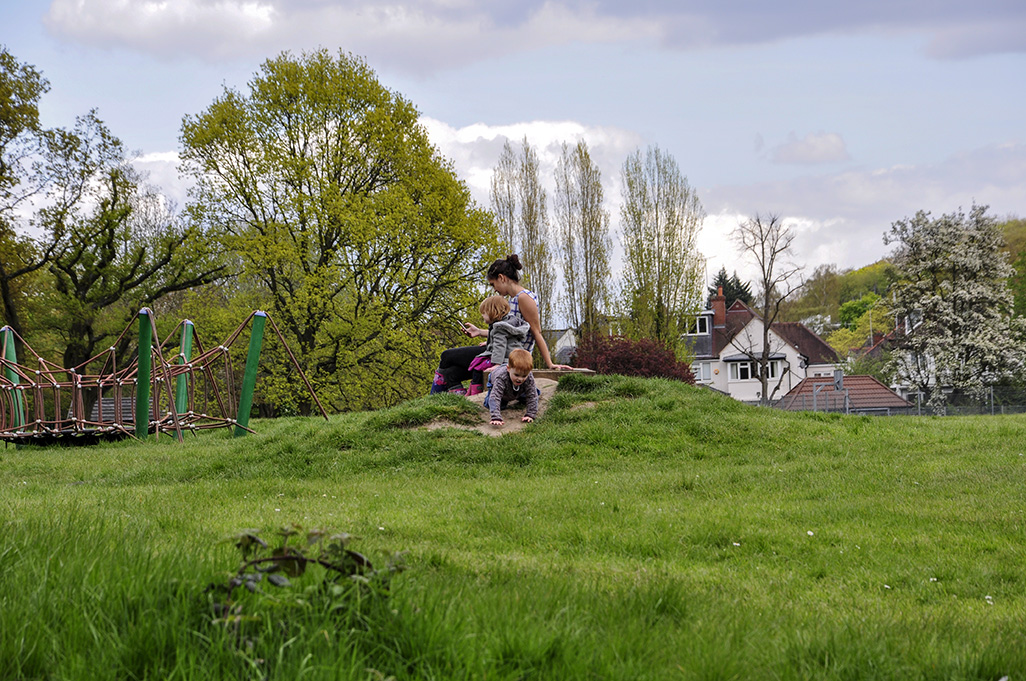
x=346 y=589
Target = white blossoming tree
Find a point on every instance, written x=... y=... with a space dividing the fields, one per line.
x=954 y=303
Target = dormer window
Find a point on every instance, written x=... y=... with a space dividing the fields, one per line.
x=699 y=326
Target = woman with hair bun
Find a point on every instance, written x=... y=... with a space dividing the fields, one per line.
x=504 y=277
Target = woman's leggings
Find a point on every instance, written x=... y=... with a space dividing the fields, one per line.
x=454 y=366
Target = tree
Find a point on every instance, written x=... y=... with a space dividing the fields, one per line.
x=733 y=289
x=504 y=198
x=366 y=243
x=862 y=322
x=584 y=240
x=955 y=303
x=97 y=257
x=767 y=241
x=125 y=249
x=519 y=204
x=1014 y=230
x=660 y=217
x=27 y=167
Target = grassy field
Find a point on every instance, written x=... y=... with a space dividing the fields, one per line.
x=642 y=530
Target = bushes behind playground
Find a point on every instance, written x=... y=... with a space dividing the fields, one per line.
x=629 y=357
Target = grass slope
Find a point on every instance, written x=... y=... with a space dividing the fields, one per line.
x=643 y=530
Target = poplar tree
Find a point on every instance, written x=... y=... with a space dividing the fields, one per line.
x=504 y=198
x=660 y=217
x=519 y=205
x=583 y=228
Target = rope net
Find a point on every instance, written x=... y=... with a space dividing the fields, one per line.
x=99 y=399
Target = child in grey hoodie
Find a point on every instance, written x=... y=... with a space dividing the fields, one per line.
x=506 y=332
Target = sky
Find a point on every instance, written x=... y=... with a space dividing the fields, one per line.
x=839 y=117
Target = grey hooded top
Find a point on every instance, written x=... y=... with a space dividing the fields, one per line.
x=505 y=336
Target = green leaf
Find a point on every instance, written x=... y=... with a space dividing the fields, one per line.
x=279 y=580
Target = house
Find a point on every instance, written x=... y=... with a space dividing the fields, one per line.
x=726 y=343
x=562 y=344
x=858 y=394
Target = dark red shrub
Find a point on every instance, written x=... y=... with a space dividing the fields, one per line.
x=629 y=357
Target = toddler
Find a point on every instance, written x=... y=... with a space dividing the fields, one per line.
x=513 y=382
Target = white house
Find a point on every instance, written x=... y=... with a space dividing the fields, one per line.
x=726 y=343
x=562 y=344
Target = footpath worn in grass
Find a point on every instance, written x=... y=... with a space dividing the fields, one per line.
x=642 y=530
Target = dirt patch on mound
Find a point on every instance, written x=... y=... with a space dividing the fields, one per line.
x=510 y=415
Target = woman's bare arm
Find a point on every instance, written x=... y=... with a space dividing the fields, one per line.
x=529 y=311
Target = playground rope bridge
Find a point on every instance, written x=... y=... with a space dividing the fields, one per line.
x=149 y=393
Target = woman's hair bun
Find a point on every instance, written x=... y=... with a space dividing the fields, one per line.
x=514 y=260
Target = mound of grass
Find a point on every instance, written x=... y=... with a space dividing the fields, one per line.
x=424 y=410
x=642 y=529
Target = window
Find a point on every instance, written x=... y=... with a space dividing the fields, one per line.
x=699 y=326
x=740 y=371
x=702 y=371
x=745 y=371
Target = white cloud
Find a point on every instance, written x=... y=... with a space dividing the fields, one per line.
x=411 y=36
x=474 y=150
x=165 y=28
x=161 y=169
x=842 y=217
x=425 y=35
x=822 y=147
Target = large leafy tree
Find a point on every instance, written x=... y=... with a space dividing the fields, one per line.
x=366 y=243
x=124 y=248
x=1014 y=230
x=583 y=226
x=104 y=245
x=27 y=152
x=954 y=299
x=660 y=217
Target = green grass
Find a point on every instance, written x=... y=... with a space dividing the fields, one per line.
x=641 y=530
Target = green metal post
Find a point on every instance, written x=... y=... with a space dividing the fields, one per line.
x=256 y=339
x=142 y=386
x=182 y=386
x=11 y=355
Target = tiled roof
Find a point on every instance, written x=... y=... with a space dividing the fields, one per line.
x=864 y=392
x=807 y=343
x=738 y=315
x=796 y=334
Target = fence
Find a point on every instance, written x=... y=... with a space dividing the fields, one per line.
x=997 y=401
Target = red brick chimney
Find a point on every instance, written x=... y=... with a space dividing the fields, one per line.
x=719 y=307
